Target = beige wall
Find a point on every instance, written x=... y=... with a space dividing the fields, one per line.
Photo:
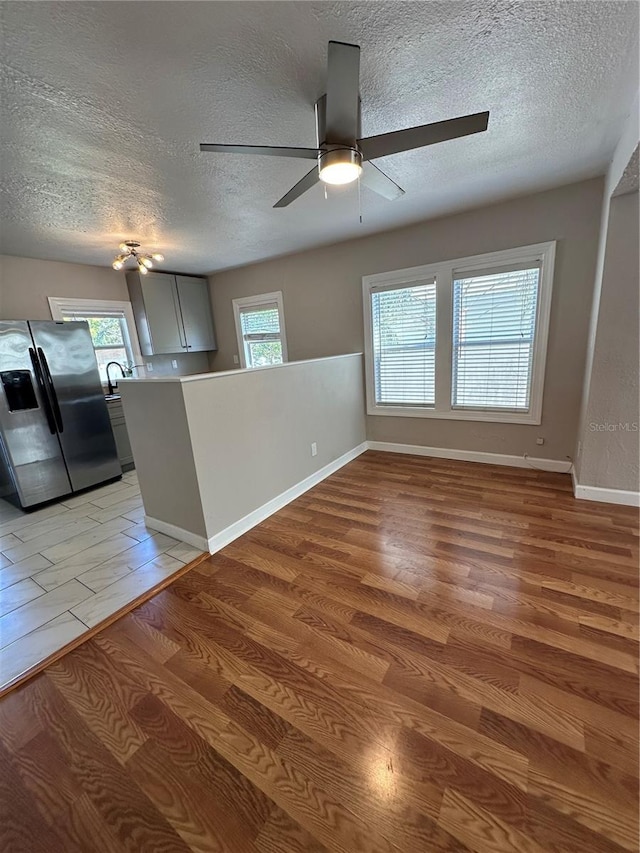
x=26 y=283
x=252 y=431
x=323 y=306
x=610 y=452
x=213 y=450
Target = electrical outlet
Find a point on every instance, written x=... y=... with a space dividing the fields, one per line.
x=149 y=367
x=174 y=364
x=314 y=448
x=539 y=440
x=236 y=360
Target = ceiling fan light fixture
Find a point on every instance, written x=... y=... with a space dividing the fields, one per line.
x=340 y=166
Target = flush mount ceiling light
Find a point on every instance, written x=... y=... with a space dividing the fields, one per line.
x=340 y=165
x=131 y=249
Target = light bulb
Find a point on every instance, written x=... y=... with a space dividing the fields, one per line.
x=157 y=257
x=123 y=247
x=117 y=264
x=142 y=268
x=340 y=173
x=147 y=262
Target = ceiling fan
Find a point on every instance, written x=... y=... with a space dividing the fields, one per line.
x=342 y=155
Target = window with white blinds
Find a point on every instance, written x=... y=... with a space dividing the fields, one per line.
x=404 y=334
x=494 y=323
x=464 y=339
x=260 y=330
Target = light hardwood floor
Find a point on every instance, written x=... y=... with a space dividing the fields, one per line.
x=68 y=566
x=415 y=656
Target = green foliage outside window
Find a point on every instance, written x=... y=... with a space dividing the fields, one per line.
x=265 y=352
x=105 y=331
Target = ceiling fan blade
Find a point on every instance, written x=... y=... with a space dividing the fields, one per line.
x=343 y=92
x=301 y=187
x=425 y=134
x=269 y=150
x=376 y=180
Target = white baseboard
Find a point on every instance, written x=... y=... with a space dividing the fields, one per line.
x=556 y=465
x=176 y=532
x=220 y=540
x=607 y=496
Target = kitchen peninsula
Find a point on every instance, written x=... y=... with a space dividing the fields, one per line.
x=216 y=453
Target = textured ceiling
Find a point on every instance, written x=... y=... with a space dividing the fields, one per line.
x=104 y=105
x=630 y=180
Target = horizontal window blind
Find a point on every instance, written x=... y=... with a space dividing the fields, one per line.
x=260 y=326
x=260 y=323
x=404 y=339
x=494 y=326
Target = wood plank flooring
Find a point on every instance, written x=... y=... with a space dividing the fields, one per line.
x=416 y=655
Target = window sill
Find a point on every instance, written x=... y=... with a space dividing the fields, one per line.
x=457 y=415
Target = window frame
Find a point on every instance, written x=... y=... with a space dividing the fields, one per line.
x=60 y=306
x=257 y=301
x=443 y=273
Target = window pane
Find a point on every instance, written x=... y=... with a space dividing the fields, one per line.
x=105 y=331
x=494 y=319
x=260 y=353
x=404 y=339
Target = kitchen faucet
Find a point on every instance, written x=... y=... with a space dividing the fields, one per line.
x=111 y=387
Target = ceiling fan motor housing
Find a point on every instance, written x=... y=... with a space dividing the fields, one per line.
x=332 y=155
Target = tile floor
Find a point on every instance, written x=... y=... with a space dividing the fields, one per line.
x=66 y=567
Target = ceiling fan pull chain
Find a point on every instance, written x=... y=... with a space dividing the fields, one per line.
x=325 y=192
x=359 y=202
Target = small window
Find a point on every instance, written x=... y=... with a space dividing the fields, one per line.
x=260 y=330
x=111 y=326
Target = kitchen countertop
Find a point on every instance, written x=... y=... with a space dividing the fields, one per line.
x=218 y=374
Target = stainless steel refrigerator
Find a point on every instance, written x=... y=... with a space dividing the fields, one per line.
x=55 y=432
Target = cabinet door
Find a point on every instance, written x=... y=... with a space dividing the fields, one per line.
x=163 y=313
x=195 y=307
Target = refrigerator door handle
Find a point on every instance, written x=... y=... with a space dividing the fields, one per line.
x=52 y=391
x=37 y=369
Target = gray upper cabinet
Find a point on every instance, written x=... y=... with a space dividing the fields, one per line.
x=196 y=313
x=172 y=312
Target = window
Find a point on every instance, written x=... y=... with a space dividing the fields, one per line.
x=111 y=325
x=404 y=338
x=461 y=339
x=494 y=319
x=260 y=329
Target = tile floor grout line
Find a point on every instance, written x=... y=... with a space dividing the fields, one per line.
x=45 y=530
x=3 y=649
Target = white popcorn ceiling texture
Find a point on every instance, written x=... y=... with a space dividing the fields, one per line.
x=104 y=105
